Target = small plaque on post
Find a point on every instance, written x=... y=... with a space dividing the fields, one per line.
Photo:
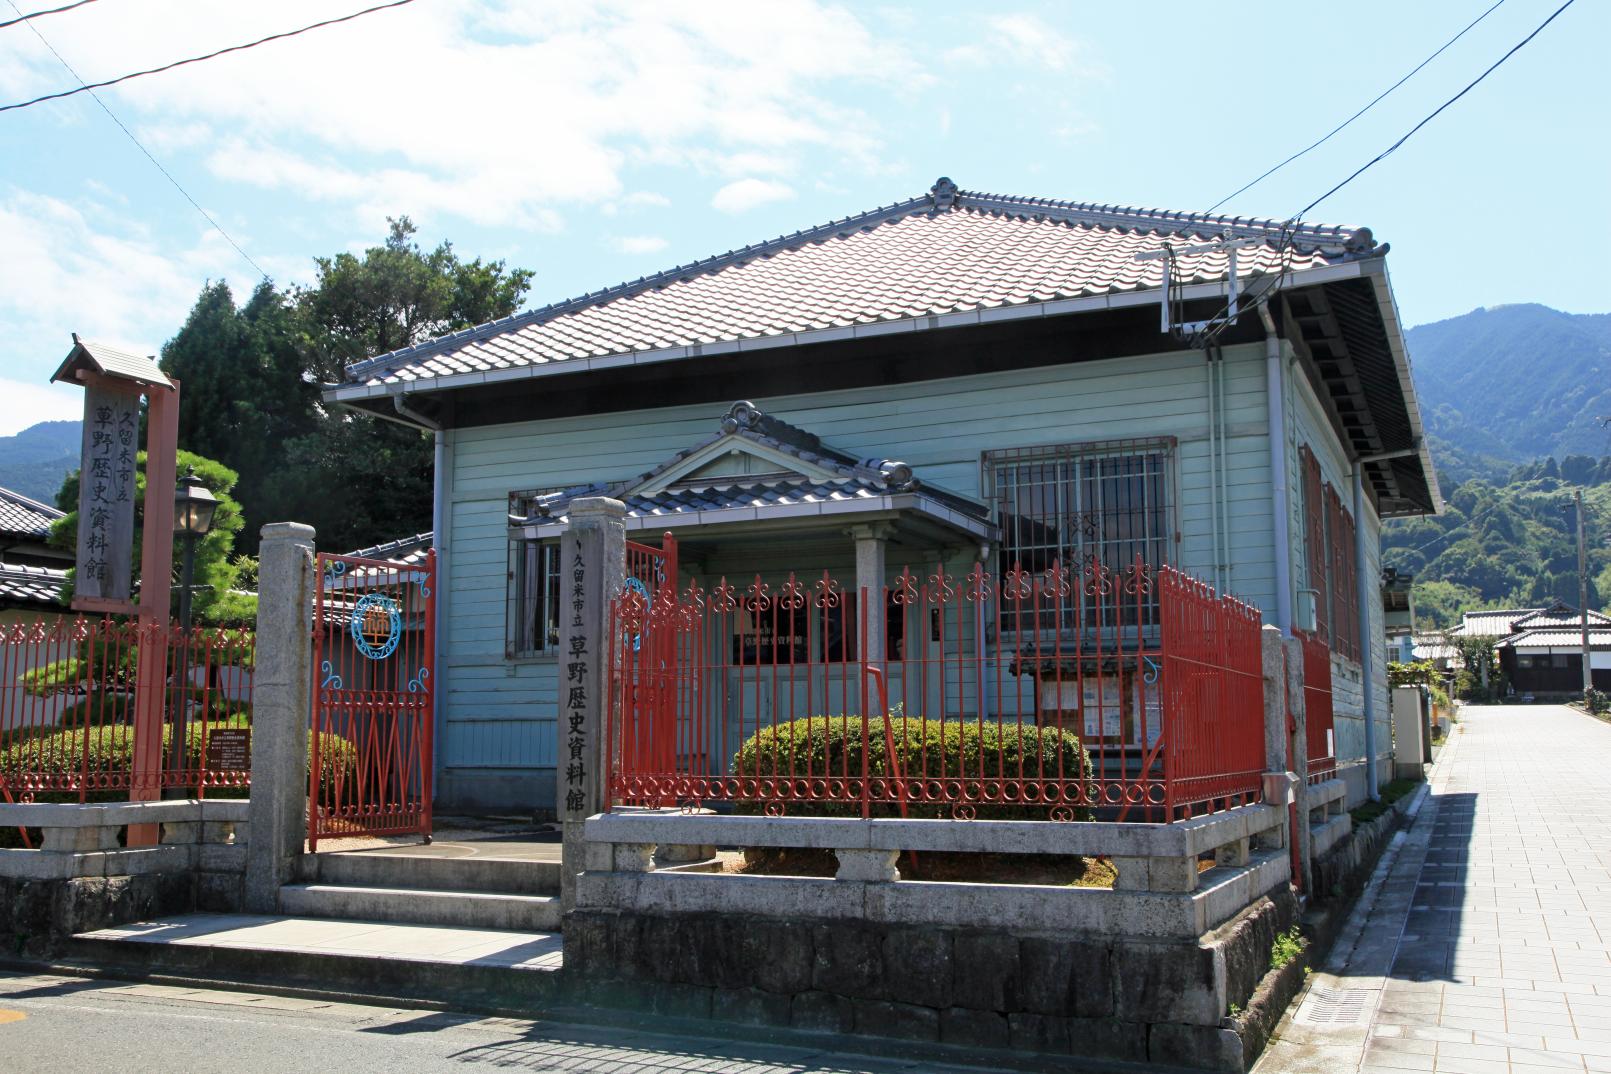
x=229 y=749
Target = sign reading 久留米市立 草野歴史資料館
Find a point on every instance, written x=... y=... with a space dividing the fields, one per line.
x=106 y=493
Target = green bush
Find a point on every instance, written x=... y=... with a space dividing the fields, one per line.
x=98 y=710
x=111 y=751
x=935 y=749
x=52 y=678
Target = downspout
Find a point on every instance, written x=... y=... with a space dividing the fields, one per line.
x=1224 y=470
x=1366 y=619
x=1275 y=394
x=439 y=478
x=1213 y=462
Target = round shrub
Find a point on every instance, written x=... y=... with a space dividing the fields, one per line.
x=946 y=755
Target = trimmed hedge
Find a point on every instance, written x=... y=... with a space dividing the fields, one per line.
x=111 y=750
x=950 y=749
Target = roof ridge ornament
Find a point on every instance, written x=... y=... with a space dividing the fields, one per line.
x=741 y=415
x=943 y=193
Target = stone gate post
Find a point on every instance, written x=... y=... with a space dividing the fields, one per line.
x=592 y=563
x=281 y=689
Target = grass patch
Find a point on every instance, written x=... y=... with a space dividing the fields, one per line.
x=1390 y=794
x=1288 y=946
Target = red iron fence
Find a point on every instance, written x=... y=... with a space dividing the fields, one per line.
x=1317 y=707
x=1134 y=692
x=67 y=709
x=369 y=754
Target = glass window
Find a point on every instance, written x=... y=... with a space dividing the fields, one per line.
x=533 y=601
x=1110 y=503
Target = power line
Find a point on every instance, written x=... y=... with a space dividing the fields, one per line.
x=37 y=14
x=1374 y=102
x=85 y=88
x=139 y=145
x=1517 y=47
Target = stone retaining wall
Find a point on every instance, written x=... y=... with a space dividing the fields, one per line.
x=1088 y=995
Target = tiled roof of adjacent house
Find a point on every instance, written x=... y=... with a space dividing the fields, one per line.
x=1558 y=615
x=407 y=551
x=1599 y=638
x=31 y=585
x=23 y=517
x=1495 y=623
x=948 y=252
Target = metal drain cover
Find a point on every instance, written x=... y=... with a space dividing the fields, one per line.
x=1334 y=1006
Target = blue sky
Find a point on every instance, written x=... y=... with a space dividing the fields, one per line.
x=598 y=142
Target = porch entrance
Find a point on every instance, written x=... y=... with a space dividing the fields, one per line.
x=370 y=747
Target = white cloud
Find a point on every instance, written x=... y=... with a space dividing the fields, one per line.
x=639 y=244
x=1030 y=39
x=746 y=194
x=67 y=269
x=24 y=403
x=502 y=112
x=646 y=199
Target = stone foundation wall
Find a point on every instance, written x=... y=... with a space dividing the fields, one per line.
x=1085 y=995
x=38 y=916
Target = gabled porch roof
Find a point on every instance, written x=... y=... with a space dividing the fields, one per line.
x=758 y=472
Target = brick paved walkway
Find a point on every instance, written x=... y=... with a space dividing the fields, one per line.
x=1500 y=902
x=1505 y=961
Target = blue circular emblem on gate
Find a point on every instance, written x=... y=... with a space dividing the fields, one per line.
x=376 y=626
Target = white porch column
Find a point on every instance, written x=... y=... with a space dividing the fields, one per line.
x=870 y=542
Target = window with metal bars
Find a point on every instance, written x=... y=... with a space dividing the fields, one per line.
x=1314 y=539
x=532 y=619
x=1109 y=502
x=1328 y=551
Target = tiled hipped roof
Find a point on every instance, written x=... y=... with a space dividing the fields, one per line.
x=21 y=584
x=947 y=252
x=23 y=517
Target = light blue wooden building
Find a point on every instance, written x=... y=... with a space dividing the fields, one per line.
x=955 y=377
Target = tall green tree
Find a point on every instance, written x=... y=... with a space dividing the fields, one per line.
x=243 y=393
x=251 y=380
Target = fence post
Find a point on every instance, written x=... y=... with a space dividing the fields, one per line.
x=281 y=692
x=1298 y=752
x=592 y=571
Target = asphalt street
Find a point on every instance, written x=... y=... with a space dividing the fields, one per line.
x=55 y=1025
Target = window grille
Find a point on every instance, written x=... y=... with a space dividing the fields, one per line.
x=533 y=601
x=1075 y=504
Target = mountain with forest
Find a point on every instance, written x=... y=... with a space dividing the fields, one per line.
x=35 y=460
x=1513 y=398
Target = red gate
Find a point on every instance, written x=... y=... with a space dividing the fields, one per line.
x=374 y=632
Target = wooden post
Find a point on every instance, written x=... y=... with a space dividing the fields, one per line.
x=156 y=573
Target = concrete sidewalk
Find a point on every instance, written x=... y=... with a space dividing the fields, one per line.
x=1480 y=947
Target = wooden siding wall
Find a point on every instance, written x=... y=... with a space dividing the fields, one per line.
x=498 y=736
x=1309 y=424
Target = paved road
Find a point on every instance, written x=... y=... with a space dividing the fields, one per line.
x=1500 y=902
x=108 y=1027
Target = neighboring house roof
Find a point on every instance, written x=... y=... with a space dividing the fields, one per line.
x=1495 y=623
x=757 y=466
x=31 y=585
x=24 y=517
x=406 y=551
x=1599 y=638
x=1434 y=648
x=948 y=252
x=1560 y=614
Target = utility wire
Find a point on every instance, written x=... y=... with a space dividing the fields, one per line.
x=1374 y=102
x=36 y=14
x=88 y=87
x=141 y=147
x=1517 y=47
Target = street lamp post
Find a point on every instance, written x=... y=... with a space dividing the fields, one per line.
x=193 y=507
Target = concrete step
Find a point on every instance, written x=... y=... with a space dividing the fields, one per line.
x=377 y=869
x=344 y=959
x=459 y=909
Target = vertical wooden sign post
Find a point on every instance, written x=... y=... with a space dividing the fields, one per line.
x=113 y=383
